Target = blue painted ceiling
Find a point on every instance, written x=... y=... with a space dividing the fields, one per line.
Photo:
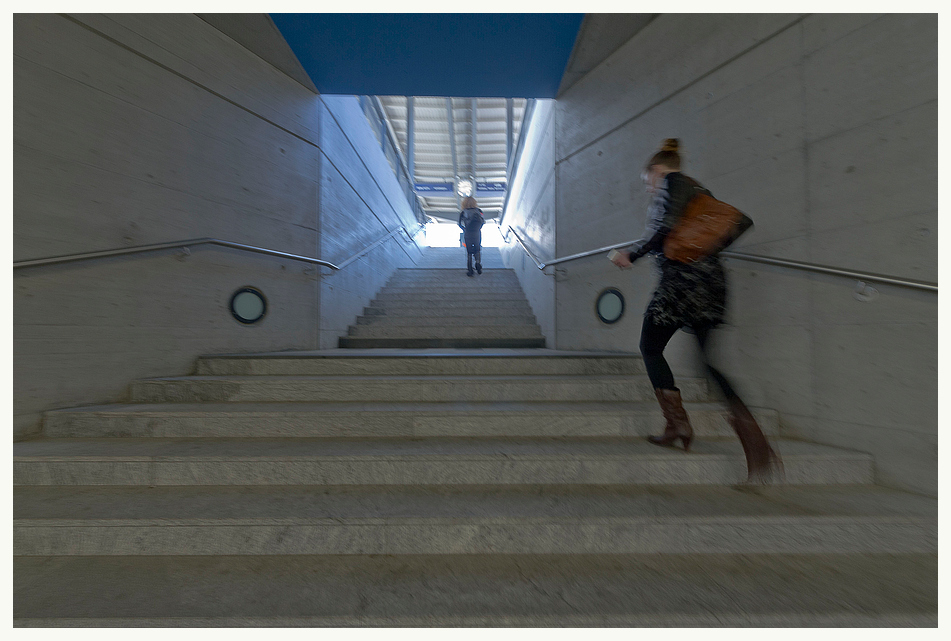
x=502 y=55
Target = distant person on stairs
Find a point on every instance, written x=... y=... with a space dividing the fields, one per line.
x=691 y=295
x=471 y=220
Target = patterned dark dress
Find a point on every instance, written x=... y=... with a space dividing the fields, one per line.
x=693 y=294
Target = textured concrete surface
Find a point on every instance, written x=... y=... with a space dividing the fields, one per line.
x=383 y=362
x=306 y=520
x=531 y=210
x=427 y=292
x=433 y=461
x=404 y=419
x=431 y=482
x=194 y=389
x=577 y=591
x=138 y=129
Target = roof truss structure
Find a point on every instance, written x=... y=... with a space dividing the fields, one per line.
x=484 y=132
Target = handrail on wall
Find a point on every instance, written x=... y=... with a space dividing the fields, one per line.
x=184 y=244
x=767 y=260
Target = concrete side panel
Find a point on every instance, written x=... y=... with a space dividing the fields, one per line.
x=350 y=146
x=578 y=324
x=823 y=29
x=654 y=65
x=187 y=45
x=84 y=332
x=752 y=125
x=531 y=212
x=892 y=64
x=103 y=167
x=360 y=202
x=898 y=386
x=882 y=170
x=906 y=460
x=138 y=129
x=906 y=246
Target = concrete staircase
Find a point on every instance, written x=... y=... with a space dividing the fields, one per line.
x=446 y=487
x=442 y=307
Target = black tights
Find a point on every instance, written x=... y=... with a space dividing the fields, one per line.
x=654 y=339
x=478 y=259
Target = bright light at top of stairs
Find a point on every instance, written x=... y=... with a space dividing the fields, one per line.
x=448 y=235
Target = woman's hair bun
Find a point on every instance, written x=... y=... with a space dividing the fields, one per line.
x=670 y=144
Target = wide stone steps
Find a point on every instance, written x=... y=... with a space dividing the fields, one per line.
x=591 y=590
x=478 y=300
x=193 y=389
x=423 y=362
x=451 y=331
x=526 y=322
x=436 y=462
x=422 y=307
x=456 y=276
x=293 y=520
x=421 y=312
x=431 y=291
x=482 y=342
x=387 y=420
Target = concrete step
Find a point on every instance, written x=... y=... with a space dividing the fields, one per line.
x=356 y=342
x=469 y=320
x=471 y=285
x=289 y=520
x=423 y=307
x=458 y=282
x=481 y=298
x=530 y=362
x=438 y=292
x=442 y=320
x=387 y=420
x=671 y=590
x=450 y=331
x=430 y=462
x=451 y=272
x=217 y=389
x=420 y=313
x=461 y=283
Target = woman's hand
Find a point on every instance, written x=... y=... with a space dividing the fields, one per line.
x=622 y=260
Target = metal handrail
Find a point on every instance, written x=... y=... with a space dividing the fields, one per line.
x=521 y=242
x=835 y=271
x=767 y=260
x=184 y=244
x=366 y=249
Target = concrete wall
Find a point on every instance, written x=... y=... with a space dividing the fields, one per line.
x=138 y=129
x=360 y=202
x=823 y=128
x=531 y=211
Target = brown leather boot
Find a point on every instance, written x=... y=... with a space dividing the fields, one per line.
x=763 y=465
x=678 y=423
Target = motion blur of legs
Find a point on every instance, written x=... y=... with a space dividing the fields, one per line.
x=465 y=320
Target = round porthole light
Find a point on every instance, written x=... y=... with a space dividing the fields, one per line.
x=610 y=306
x=248 y=305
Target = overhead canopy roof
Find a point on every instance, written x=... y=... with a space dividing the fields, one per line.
x=499 y=55
x=483 y=139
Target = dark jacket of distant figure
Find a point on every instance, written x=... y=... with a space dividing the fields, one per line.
x=471 y=221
